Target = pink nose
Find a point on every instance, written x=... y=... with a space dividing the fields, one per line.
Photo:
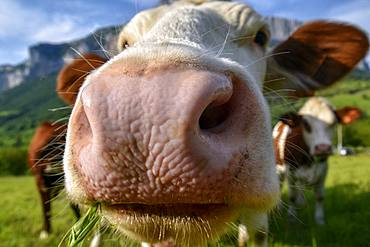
x=323 y=149
x=161 y=136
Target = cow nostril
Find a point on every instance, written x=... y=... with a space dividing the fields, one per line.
x=323 y=148
x=213 y=116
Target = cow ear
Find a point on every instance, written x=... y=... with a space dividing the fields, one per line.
x=348 y=115
x=315 y=56
x=291 y=119
x=72 y=75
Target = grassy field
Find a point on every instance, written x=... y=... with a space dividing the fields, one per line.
x=347 y=209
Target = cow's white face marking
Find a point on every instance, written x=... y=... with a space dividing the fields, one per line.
x=318 y=122
x=220 y=29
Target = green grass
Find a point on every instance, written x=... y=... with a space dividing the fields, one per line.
x=347 y=209
x=20 y=214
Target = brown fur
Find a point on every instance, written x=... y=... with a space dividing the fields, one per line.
x=318 y=54
x=278 y=158
x=348 y=115
x=296 y=151
x=73 y=75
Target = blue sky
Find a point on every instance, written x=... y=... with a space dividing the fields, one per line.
x=27 y=22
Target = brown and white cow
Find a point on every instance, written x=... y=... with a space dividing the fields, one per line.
x=303 y=142
x=45 y=161
x=172 y=136
x=45 y=153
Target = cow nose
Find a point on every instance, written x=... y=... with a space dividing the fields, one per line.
x=323 y=149
x=178 y=129
x=198 y=101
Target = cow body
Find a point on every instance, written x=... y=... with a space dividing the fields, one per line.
x=303 y=143
x=172 y=135
x=45 y=156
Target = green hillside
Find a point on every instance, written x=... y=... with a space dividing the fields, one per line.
x=24 y=107
x=21 y=110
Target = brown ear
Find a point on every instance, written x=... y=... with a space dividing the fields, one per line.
x=348 y=115
x=71 y=77
x=315 y=56
x=291 y=119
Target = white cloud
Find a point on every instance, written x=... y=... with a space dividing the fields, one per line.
x=22 y=26
x=61 y=28
x=357 y=12
x=143 y=2
x=33 y=25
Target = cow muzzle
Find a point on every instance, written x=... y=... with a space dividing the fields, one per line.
x=161 y=137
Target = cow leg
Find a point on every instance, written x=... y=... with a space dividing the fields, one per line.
x=95 y=242
x=45 y=201
x=319 y=196
x=76 y=210
x=243 y=236
x=257 y=234
x=293 y=194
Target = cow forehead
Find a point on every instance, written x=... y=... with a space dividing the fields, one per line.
x=320 y=109
x=184 y=20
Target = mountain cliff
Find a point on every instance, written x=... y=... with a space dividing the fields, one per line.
x=45 y=59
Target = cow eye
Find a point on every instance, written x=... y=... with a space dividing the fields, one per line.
x=125 y=45
x=261 y=38
x=307 y=126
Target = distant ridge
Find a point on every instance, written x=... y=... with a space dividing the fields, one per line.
x=45 y=59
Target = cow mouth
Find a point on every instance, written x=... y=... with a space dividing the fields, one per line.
x=168 y=210
x=185 y=224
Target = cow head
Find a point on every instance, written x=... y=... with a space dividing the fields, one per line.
x=172 y=136
x=317 y=119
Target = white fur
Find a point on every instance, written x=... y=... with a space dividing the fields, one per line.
x=310 y=175
x=44 y=235
x=282 y=139
x=319 y=114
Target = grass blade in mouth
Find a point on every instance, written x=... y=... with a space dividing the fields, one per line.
x=81 y=229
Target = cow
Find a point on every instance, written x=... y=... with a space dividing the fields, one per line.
x=172 y=136
x=45 y=152
x=303 y=143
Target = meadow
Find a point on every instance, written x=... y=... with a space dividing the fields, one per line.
x=347 y=207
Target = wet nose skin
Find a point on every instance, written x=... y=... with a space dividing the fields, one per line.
x=323 y=149
x=144 y=139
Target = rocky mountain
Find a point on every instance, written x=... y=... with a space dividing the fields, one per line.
x=45 y=59
x=281 y=28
